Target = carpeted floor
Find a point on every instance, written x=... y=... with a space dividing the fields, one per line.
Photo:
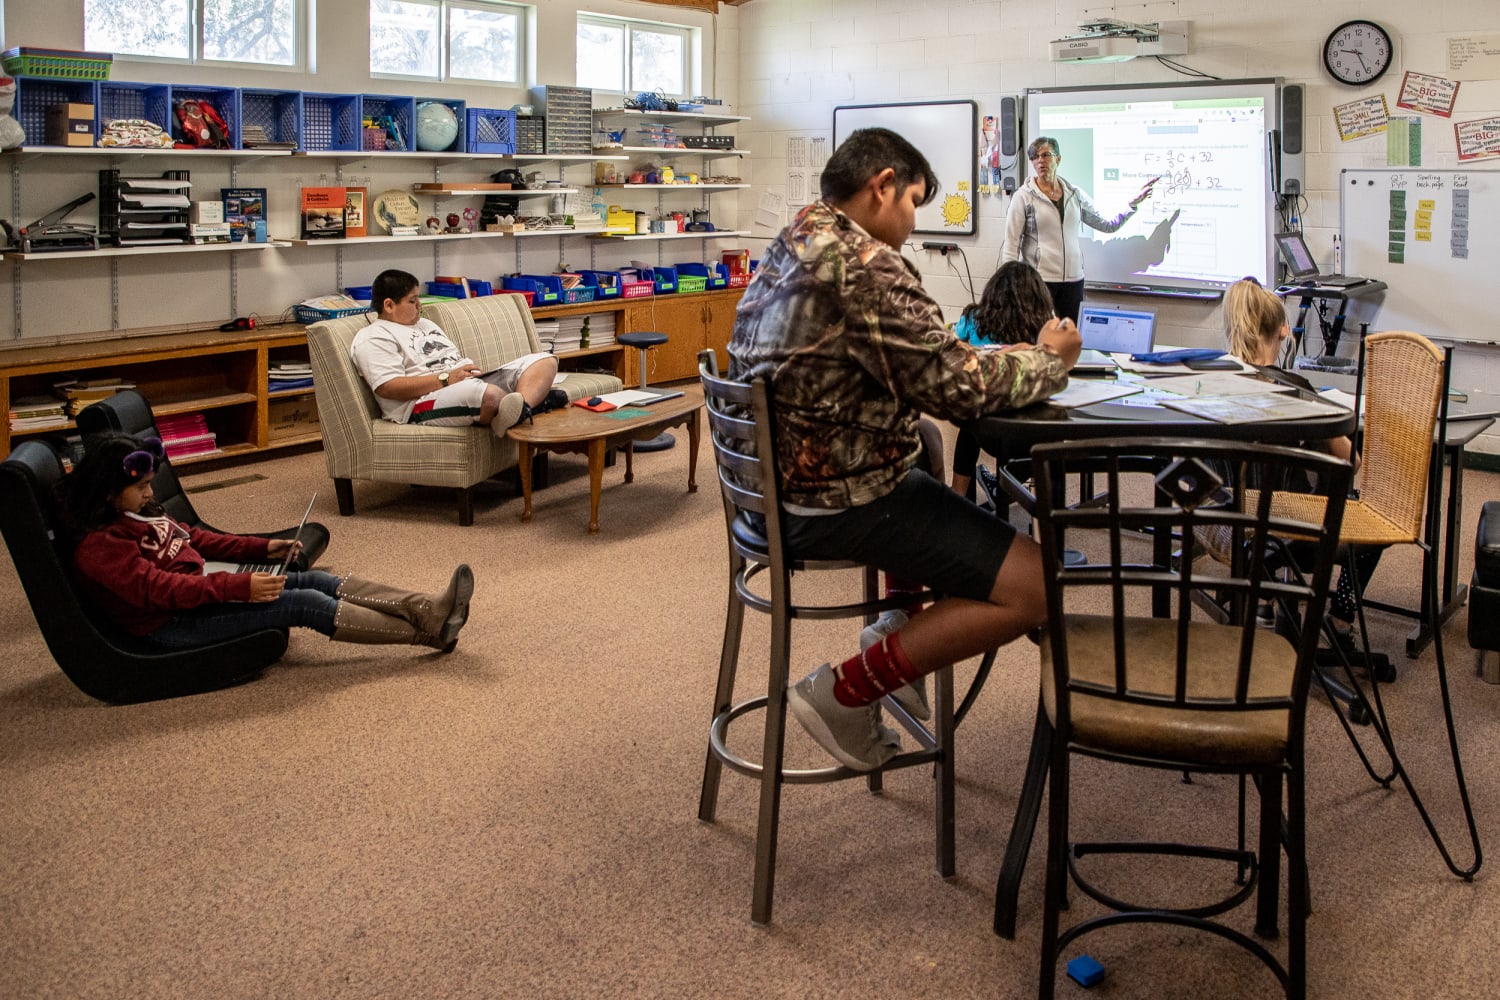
x=518 y=819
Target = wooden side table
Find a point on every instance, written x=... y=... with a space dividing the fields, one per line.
x=574 y=430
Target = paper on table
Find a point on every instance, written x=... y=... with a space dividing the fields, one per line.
x=1339 y=396
x=1216 y=384
x=1082 y=392
x=1253 y=408
x=626 y=397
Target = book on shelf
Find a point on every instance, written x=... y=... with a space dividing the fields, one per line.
x=323 y=213
x=243 y=207
x=354 y=211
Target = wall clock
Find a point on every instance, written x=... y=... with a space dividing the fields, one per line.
x=1358 y=52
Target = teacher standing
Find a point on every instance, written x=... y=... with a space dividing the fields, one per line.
x=1041 y=226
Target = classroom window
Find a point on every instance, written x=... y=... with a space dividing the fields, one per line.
x=627 y=56
x=259 y=32
x=447 y=40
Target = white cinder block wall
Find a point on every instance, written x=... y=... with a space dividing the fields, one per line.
x=799 y=59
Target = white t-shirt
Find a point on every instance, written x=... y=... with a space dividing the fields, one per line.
x=385 y=350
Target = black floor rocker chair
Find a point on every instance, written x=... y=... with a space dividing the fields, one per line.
x=741 y=425
x=102 y=661
x=128 y=412
x=1169 y=691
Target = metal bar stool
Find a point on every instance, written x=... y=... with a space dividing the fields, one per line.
x=644 y=340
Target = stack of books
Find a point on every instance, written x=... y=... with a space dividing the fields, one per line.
x=186 y=435
x=80 y=393
x=37 y=413
x=285 y=375
x=255 y=137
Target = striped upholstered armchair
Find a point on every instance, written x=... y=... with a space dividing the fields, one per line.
x=359 y=444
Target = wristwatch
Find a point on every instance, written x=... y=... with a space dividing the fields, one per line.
x=443 y=379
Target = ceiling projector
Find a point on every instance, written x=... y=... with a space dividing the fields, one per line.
x=1116 y=41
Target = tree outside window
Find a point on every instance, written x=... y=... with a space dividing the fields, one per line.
x=626 y=56
x=447 y=39
x=260 y=32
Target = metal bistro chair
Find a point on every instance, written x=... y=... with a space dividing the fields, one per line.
x=741 y=424
x=1173 y=692
x=1405 y=390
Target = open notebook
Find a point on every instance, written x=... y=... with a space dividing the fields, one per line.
x=219 y=566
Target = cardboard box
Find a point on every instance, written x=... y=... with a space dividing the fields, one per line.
x=70 y=125
x=292 y=417
x=210 y=212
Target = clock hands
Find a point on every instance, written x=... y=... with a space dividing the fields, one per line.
x=1359 y=55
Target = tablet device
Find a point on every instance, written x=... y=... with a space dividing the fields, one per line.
x=291 y=549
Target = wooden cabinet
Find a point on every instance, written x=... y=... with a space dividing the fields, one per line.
x=691 y=322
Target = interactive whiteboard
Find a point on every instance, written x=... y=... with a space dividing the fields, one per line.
x=1210 y=218
x=1433 y=236
x=947 y=133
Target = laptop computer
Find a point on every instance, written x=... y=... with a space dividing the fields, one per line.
x=1107 y=330
x=1304 y=270
x=278 y=569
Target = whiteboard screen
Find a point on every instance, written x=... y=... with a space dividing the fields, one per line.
x=947 y=133
x=1209 y=220
x=1433 y=236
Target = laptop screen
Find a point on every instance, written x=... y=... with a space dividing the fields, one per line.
x=1116 y=331
x=1298 y=258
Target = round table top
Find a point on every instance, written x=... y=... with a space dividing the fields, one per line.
x=1043 y=422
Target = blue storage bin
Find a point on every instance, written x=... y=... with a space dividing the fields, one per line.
x=330 y=122
x=606 y=284
x=459 y=143
x=491 y=131
x=224 y=100
x=363 y=293
x=542 y=289
x=279 y=112
x=150 y=102
x=451 y=289
x=35 y=94
x=401 y=111
x=717 y=277
x=663 y=278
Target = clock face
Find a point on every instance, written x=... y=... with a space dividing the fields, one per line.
x=1357 y=52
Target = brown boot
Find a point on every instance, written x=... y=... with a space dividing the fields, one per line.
x=438 y=615
x=353 y=623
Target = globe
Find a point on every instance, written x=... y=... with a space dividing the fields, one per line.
x=436 y=127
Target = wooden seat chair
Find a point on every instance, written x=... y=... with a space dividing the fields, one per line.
x=741 y=425
x=1173 y=692
x=100 y=659
x=1405 y=390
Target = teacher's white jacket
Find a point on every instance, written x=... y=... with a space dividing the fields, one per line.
x=1034 y=232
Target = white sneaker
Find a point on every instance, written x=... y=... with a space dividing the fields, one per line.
x=509 y=412
x=913 y=697
x=854 y=736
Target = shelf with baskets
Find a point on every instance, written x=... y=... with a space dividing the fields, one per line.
x=605 y=152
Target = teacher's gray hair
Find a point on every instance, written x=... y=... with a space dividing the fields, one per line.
x=1038 y=143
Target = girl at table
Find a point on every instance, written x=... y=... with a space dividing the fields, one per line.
x=1256 y=328
x=1011 y=312
x=145 y=571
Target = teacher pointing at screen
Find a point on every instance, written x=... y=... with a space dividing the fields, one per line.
x=1041 y=227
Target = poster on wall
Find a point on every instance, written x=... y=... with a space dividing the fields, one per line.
x=947 y=133
x=1429 y=94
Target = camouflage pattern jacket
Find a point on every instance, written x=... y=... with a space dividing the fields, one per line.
x=855 y=352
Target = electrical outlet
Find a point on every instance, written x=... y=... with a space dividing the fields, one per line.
x=942 y=248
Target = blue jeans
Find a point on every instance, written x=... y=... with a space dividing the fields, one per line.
x=307 y=601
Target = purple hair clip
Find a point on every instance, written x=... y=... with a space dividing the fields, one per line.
x=145 y=458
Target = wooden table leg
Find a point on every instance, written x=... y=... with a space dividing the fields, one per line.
x=630 y=461
x=596 y=481
x=525 y=470
x=694 y=424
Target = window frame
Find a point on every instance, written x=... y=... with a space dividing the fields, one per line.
x=689 y=47
x=302 y=33
x=445 y=74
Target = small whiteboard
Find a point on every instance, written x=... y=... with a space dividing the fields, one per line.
x=1433 y=236
x=947 y=133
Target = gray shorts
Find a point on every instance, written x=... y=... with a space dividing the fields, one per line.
x=921 y=531
x=458 y=405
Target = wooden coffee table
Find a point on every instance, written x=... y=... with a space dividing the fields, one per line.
x=574 y=430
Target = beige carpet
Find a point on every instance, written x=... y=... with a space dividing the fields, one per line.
x=518 y=819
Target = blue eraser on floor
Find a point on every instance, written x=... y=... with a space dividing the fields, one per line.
x=1085 y=971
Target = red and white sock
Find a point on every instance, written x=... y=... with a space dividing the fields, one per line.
x=873 y=674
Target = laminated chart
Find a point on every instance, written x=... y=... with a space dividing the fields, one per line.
x=1458 y=235
x=1396 y=254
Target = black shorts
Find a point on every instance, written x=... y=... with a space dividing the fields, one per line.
x=921 y=531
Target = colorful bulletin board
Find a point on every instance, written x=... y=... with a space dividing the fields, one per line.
x=947 y=133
